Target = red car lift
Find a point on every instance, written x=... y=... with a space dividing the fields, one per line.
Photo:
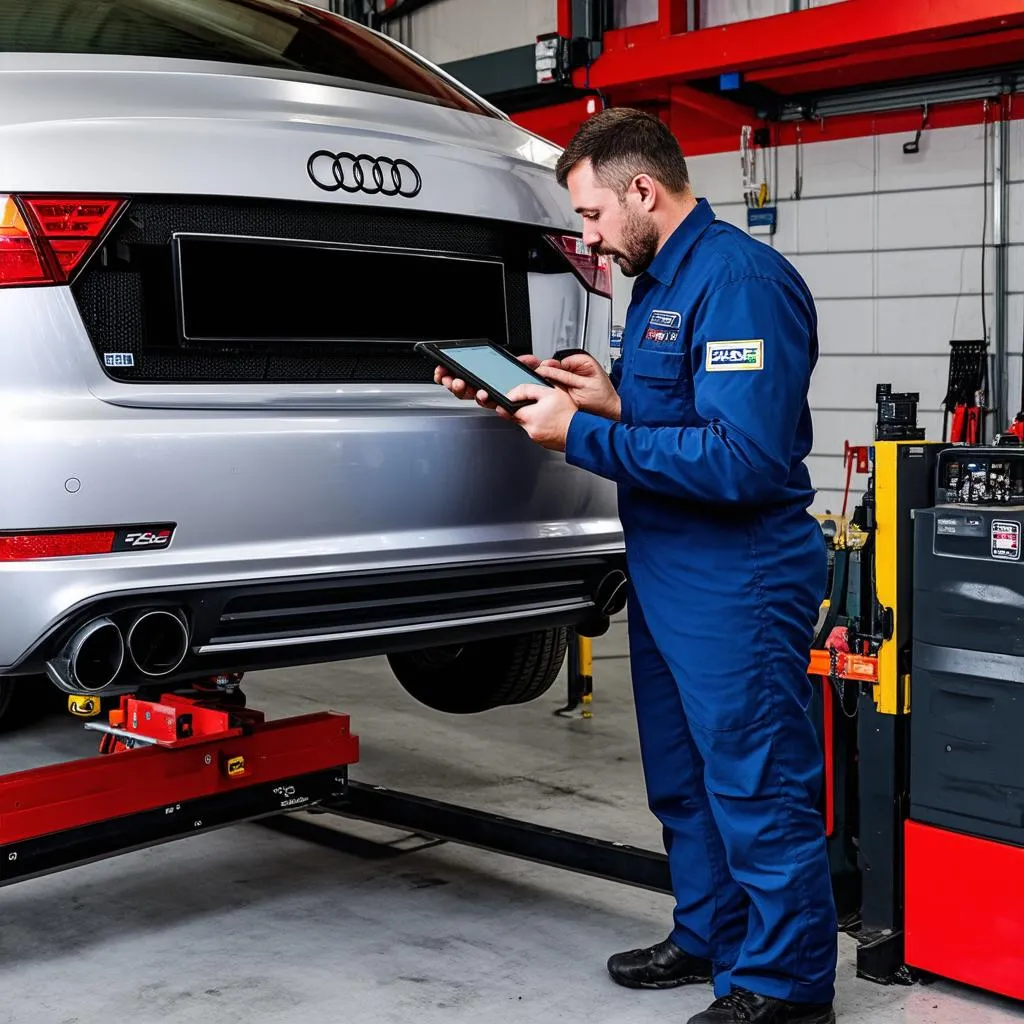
x=178 y=766
x=171 y=768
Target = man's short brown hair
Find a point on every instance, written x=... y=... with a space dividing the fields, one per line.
x=622 y=143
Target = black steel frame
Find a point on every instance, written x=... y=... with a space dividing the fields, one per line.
x=57 y=851
x=513 y=837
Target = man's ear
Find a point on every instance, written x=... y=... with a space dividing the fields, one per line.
x=646 y=190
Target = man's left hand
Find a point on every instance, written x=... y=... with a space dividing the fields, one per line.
x=547 y=419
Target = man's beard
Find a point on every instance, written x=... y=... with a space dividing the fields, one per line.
x=639 y=245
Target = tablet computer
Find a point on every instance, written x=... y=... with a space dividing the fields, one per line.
x=483 y=366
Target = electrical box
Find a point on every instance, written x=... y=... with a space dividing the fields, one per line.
x=977 y=475
x=762 y=220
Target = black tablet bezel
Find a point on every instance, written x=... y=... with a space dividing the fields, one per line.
x=440 y=353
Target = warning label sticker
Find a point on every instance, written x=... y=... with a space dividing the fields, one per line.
x=1005 y=540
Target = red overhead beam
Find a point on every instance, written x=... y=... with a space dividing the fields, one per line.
x=833 y=31
x=716 y=108
x=699 y=136
x=632 y=35
x=854 y=43
x=557 y=123
x=893 y=63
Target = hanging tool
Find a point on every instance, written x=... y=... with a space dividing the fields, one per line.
x=748 y=163
x=914 y=146
x=965 y=392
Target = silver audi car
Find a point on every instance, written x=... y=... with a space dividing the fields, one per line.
x=224 y=224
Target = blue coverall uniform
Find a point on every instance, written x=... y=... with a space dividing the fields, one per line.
x=728 y=570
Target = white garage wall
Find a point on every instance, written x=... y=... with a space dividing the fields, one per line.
x=457 y=29
x=890 y=245
x=722 y=12
x=634 y=12
x=449 y=30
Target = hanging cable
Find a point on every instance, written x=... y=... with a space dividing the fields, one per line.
x=798 y=165
x=984 y=217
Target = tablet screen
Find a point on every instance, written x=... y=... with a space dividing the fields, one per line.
x=501 y=373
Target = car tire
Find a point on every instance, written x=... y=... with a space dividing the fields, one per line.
x=483 y=675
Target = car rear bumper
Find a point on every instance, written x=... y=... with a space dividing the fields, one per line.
x=307 y=490
x=246 y=626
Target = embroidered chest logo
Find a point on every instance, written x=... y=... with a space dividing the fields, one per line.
x=663 y=326
x=734 y=355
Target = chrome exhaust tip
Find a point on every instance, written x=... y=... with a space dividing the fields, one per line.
x=94 y=656
x=609 y=599
x=158 y=642
x=611 y=593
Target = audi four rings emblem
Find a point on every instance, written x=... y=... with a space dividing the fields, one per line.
x=374 y=175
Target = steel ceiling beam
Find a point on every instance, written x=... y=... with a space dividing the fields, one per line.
x=894 y=63
x=835 y=30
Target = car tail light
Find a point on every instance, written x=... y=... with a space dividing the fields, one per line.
x=20 y=262
x=43 y=239
x=594 y=271
x=25 y=546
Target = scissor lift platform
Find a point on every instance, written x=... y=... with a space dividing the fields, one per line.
x=177 y=765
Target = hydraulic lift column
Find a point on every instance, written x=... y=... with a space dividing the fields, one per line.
x=902 y=480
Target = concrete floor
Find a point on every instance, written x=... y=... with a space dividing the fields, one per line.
x=247 y=926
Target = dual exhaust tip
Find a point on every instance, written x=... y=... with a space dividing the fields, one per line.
x=610 y=596
x=156 y=642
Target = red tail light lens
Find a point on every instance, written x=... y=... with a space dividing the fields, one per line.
x=19 y=259
x=43 y=239
x=594 y=271
x=26 y=546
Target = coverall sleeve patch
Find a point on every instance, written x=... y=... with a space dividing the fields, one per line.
x=734 y=355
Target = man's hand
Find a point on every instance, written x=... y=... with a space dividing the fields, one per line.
x=460 y=389
x=586 y=382
x=547 y=419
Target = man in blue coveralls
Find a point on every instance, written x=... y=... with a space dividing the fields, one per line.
x=704 y=424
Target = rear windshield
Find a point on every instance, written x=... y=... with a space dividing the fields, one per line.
x=266 y=33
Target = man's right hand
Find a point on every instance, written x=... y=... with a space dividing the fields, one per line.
x=579 y=374
x=587 y=383
x=460 y=389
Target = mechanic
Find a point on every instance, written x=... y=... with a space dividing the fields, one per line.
x=704 y=424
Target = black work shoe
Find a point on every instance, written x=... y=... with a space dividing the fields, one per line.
x=743 y=1007
x=662 y=966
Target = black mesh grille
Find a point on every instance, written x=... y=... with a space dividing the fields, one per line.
x=389 y=602
x=127 y=300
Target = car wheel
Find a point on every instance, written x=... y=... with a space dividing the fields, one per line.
x=486 y=674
